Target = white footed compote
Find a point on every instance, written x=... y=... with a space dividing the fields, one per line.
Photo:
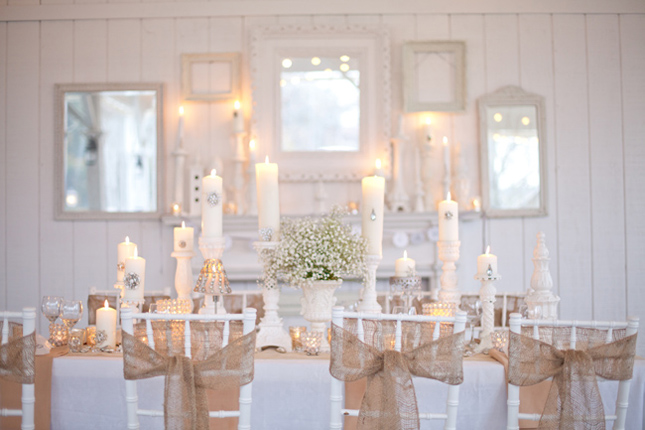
x=449 y=254
x=368 y=302
x=212 y=278
x=487 y=297
x=317 y=302
x=272 y=332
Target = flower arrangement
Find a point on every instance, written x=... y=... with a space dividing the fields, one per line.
x=319 y=249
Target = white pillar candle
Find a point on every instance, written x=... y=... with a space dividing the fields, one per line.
x=135 y=267
x=106 y=321
x=252 y=152
x=485 y=260
x=448 y=220
x=404 y=267
x=180 y=126
x=212 y=205
x=446 y=156
x=183 y=238
x=123 y=251
x=373 y=188
x=266 y=178
x=238 y=119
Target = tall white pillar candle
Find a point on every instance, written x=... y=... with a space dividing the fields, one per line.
x=135 y=268
x=123 y=251
x=448 y=220
x=238 y=118
x=372 y=210
x=183 y=238
x=446 y=156
x=485 y=260
x=212 y=205
x=404 y=267
x=180 y=126
x=266 y=177
x=106 y=321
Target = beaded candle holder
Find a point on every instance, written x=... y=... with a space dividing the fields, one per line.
x=174 y=306
x=296 y=334
x=311 y=341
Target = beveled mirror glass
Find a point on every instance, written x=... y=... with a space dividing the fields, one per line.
x=108 y=150
x=513 y=160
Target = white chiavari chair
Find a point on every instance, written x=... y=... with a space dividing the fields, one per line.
x=516 y=323
x=338 y=412
x=127 y=321
x=28 y=399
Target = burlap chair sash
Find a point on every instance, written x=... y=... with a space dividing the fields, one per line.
x=17 y=356
x=185 y=399
x=390 y=401
x=574 y=401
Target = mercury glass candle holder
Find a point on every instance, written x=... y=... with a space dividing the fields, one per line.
x=311 y=341
x=296 y=333
x=58 y=334
x=439 y=309
x=174 y=306
x=76 y=339
x=90 y=335
x=499 y=338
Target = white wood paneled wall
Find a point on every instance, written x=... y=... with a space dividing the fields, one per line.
x=589 y=67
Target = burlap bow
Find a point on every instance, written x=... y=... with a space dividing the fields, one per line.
x=17 y=357
x=185 y=399
x=574 y=401
x=390 y=401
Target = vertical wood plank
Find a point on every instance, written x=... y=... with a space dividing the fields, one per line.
x=124 y=50
x=90 y=237
x=632 y=33
x=3 y=166
x=22 y=174
x=56 y=237
x=607 y=187
x=536 y=70
x=159 y=65
x=470 y=28
x=502 y=68
x=572 y=153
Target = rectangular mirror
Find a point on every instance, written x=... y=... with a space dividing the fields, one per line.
x=321 y=100
x=513 y=159
x=108 y=151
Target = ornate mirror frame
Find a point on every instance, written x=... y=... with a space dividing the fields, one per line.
x=507 y=97
x=371 y=43
x=59 y=136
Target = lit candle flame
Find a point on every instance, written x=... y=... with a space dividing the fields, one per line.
x=105 y=304
x=237 y=104
x=428 y=120
x=378 y=163
x=213 y=172
x=445 y=140
x=181 y=111
x=266 y=160
x=127 y=239
x=488 y=249
x=405 y=254
x=183 y=224
x=252 y=145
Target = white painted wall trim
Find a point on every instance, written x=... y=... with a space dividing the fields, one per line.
x=300 y=7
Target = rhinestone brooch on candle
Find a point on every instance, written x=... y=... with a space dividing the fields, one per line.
x=131 y=281
x=266 y=234
x=373 y=215
x=213 y=199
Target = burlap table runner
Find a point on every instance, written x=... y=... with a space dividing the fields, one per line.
x=574 y=401
x=186 y=380
x=390 y=401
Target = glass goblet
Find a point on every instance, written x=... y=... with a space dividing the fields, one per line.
x=71 y=312
x=473 y=316
x=50 y=307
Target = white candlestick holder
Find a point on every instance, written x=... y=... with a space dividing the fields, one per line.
x=487 y=297
x=183 y=274
x=540 y=295
x=272 y=332
x=449 y=254
x=397 y=197
x=212 y=278
x=368 y=302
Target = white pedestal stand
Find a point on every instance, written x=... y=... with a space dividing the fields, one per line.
x=238 y=175
x=449 y=254
x=368 y=302
x=540 y=293
x=487 y=297
x=183 y=274
x=398 y=199
x=211 y=275
x=272 y=332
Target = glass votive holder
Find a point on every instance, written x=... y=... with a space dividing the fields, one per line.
x=174 y=306
x=439 y=309
x=76 y=339
x=499 y=338
x=90 y=335
x=311 y=341
x=58 y=334
x=296 y=333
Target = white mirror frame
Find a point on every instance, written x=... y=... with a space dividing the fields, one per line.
x=59 y=136
x=374 y=46
x=229 y=59
x=410 y=78
x=512 y=96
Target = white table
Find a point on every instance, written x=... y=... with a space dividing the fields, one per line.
x=290 y=393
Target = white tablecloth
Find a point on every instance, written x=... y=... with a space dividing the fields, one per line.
x=88 y=393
